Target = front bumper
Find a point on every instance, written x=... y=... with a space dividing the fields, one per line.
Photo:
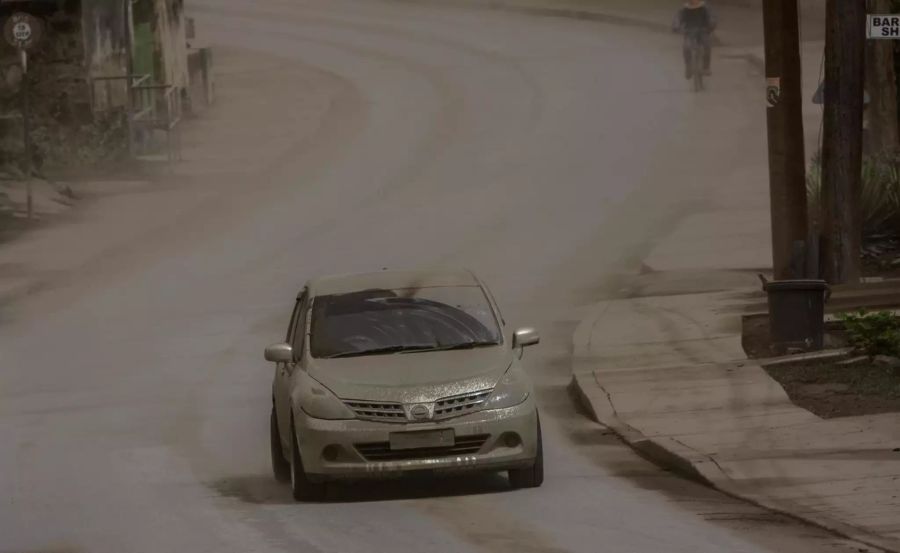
x=503 y=439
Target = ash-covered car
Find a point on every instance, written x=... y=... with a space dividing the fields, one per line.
x=396 y=372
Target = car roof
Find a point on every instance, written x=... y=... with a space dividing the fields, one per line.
x=345 y=284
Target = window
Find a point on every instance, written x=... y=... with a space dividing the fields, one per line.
x=379 y=321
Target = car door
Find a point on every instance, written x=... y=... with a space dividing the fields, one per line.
x=282 y=387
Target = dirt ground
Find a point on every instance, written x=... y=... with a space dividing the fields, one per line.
x=757 y=342
x=827 y=388
x=832 y=390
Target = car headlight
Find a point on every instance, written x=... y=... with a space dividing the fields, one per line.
x=319 y=403
x=513 y=389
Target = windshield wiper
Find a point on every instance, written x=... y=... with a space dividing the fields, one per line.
x=380 y=351
x=464 y=345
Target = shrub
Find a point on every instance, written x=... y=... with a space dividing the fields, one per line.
x=880 y=195
x=873 y=333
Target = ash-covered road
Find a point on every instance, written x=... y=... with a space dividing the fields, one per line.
x=546 y=154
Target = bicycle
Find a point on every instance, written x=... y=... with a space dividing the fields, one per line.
x=697 y=66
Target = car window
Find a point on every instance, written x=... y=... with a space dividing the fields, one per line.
x=415 y=319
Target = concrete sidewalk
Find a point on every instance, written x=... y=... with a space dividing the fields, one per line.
x=668 y=374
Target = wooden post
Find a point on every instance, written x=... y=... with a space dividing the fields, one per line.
x=128 y=24
x=26 y=129
x=845 y=40
x=787 y=157
x=881 y=82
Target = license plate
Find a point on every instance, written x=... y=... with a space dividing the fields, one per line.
x=422 y=440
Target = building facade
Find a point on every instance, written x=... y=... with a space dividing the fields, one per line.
x=82 y=74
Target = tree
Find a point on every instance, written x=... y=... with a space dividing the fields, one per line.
x=845 y=43
x=881 y=82
x=787 y=159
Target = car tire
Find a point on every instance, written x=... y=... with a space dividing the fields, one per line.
x=533 y=476
x=281 y=468
x=302 y=487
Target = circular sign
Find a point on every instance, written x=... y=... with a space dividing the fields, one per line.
x=23 y=30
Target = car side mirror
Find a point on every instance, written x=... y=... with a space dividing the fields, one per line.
x=525 y=337
x=280 y=353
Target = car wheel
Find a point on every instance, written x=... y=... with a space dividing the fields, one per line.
x=303 y=488
x=533 y=476
x=281 y=468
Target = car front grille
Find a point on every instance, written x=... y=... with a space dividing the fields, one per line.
x=381 y=451
x=377 y=411
x=463 y=404
x=445 y=408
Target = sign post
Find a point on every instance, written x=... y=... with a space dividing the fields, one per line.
x=24 y=31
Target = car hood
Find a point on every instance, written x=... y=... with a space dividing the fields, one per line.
x=413 y=377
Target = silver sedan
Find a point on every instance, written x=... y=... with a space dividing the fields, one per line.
x=395 y=372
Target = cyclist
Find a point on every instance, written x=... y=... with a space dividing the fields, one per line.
x=696 y=20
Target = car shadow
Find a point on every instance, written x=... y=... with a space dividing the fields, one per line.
x=417 y=487
x=264 y=490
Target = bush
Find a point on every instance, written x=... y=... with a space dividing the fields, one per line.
x=873 y=333
x=880 y=197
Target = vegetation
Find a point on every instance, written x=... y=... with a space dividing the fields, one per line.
x=880 y=199
x=875 y=333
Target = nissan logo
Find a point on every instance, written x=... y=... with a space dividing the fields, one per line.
x=420 y=412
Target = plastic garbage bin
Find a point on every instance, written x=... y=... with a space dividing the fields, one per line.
x=797 y=313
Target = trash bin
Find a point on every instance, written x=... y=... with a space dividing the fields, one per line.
x=797 y=313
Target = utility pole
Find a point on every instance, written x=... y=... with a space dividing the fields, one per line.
x=26 y=130
x=881 y=82
x=787 y=157
x=128 y=27
x=845 y=39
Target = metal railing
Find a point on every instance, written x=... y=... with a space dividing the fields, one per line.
x=158 y=108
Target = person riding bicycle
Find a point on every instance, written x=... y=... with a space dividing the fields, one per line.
x=696 y=21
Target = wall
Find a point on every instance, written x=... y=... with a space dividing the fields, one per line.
x=105 y=40
x=173 y=42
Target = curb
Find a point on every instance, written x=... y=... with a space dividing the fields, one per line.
x=670 y=454
x=666 y=453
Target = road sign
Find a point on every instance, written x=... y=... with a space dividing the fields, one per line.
x=23 y=30
x=884 y=27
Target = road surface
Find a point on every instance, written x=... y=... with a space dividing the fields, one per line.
x=546 y=154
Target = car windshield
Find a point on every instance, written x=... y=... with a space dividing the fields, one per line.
x=402 y=320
